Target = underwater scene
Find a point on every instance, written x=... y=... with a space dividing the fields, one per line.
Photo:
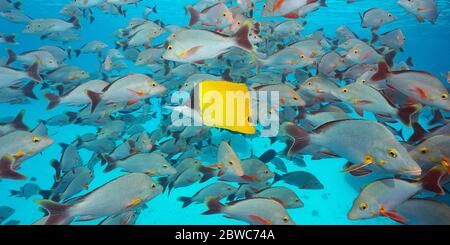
x=104 y=112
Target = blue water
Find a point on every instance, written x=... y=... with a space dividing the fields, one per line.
x=427 y=44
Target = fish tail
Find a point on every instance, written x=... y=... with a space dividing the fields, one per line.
x=375 y=38
x=54 y=100
x=28 y=90
x=58 y=212
x=10 y=39
x=45 y=193
x=13 y=193
x=77 y=52
x=208 y=173
x=76 y=22
x=299 y=137
x=186 y=201
x=382 y=73
x=18 y=121
x=277 y=178
x=110 y=163
x=389 y=57
x=95 y=99
x=17 y=5
x=163 y=181
x=11 y=56
x=323 y=3
x=419 y=132
x=154 y=9
x=6 y=168
x=33 y=72
x=195 y=16
x=405 y=112
x=409 y=61
x=241 y=37
x=432 y=178
x=214 y=207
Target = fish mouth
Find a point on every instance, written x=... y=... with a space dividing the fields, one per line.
x=414 y=172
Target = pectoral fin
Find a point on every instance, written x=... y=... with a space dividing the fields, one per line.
x=260 y=219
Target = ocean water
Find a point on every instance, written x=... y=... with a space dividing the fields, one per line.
x=427 y=44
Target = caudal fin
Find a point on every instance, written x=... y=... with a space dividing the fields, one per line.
x=241 y=37
x=58 y=213
x=53 y=99
x=214 y=207
x=11 y=56
x=186 y=201
x=299 y=138
x=76 y=22
x=195 y=16
x=10 y=39
x=382 y=73
x=432 y=178
x=110 y=163
x=405 y=112
x=7 y=170
x=95 y=99
x=208 y=173
x=33 y=72
x=17 y=123
x=28 y=90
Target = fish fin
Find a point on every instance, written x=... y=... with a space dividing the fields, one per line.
x=208 y=173
x=389 y=57
x=95 y=99
x=241 y=37
x=277 y=178
x=195 y=16
x=28 y=90
x=249 y=178
x=54 y=100
x=33 y=72
x=291 y=15
x=260 y=219
x=132 y=102
x=375 y=38
x=432 y=178
x=356 y=166
x=77 y=52
x=57 y=212
x=393 y=215
x=437 y=118
x=76 y=23
x=45 y=193
x=419 y=132
x=214 y=207
x=10 y=39
x=420 y=19
x=359 y=112
x=405 y=112
x=421 y=92
x=6 y=168
x=186 y=201
x=110 y=163
x=382 y=73
x=299 y=137
x=134 y=202
x=18 y=122
x=11 y=57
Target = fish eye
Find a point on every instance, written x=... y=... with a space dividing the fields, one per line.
x=169 y=47
x=345 y=90
x=389 y=14
x=50 y=61
x=295 y=98
x=392 y=153
x=363 y=81
x=302 y=56
x=229 y=188
x=309 y=84
x=36 y=139
x=297 y=200
x=356 y=51
x=153 y=185
x=153 y=84
x=266 y=171
x=239 y=23
x=423 y=150
x=224 y=14
x=363 y=206
x=230 y=162
x=264 y=5
x=285 y=219
x=444 y=96
x=165 y=166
